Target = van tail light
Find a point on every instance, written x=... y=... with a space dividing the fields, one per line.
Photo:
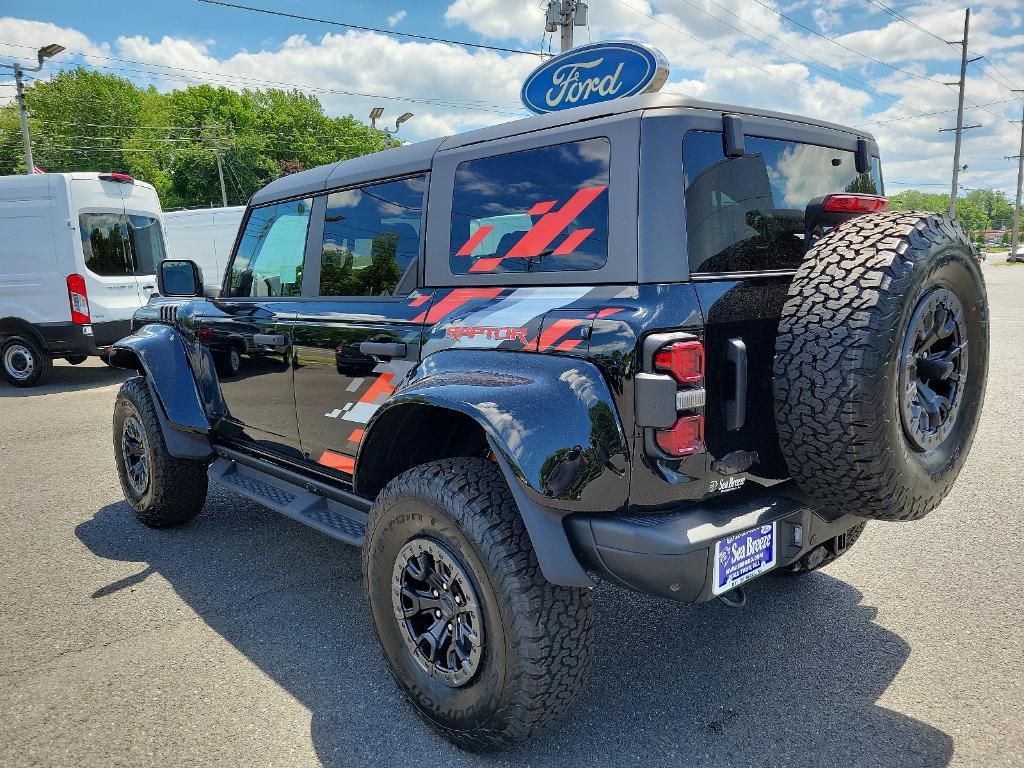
x=855 y=204
x=684 y=438
x=683 y=360
x=120 y=178
x=79 y=300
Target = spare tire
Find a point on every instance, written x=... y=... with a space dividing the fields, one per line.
x=880 y=365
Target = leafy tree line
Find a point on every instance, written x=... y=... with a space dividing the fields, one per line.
x=88 y=121
x=981 y=209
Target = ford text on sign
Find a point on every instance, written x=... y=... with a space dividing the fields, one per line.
x=592 y=74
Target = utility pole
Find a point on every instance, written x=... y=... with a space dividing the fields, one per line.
x=26 y=140
x=220 y=166
x=1015 y=239
x=960 y=127
x=43 y=53
x=564 y=15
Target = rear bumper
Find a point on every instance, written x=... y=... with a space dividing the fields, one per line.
x=669 y=554
x=64 y=339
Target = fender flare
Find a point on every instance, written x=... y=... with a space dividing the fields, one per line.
x=554 y=429
x=158 y=353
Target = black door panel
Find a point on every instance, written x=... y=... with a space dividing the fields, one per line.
x=350 y=355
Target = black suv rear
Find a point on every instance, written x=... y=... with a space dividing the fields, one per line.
x=666 y=343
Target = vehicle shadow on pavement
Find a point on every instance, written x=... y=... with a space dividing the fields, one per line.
x=791 y=680
x=68 y=378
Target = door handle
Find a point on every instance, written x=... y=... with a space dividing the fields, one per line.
x=736 y=406
x=383 y=348
x=269 y=339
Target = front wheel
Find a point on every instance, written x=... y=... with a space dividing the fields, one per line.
x=487 y=650
x=161 y=489
x=23 y=362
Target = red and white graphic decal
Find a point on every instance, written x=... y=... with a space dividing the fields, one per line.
x=540 y=236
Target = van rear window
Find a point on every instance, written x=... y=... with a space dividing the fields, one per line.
x=538 y=210
x=747 y=213
x=115 y=245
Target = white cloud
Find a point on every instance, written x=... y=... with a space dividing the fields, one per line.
x=712 y=51
x=396 y=17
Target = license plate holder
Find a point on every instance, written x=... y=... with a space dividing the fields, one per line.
x=744 y=556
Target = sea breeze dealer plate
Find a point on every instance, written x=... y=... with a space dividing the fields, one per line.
x=742 y=557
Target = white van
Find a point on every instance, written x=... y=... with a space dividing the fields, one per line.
x=78 y=256
x=205 y=236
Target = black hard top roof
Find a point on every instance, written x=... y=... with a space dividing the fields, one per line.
x=412 y=158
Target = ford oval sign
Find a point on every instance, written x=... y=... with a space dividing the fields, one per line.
x=592 y=74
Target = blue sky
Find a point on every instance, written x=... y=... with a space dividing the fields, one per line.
x=851 y=61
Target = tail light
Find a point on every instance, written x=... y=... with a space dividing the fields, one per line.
x=683 y=360
x=684 y=438
x=79 y=300
x=855 y=204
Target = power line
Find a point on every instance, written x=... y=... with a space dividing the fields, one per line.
x=851 y=81
x=937 y=112
x=471 y=104
x=393 y=32
x=726 y=53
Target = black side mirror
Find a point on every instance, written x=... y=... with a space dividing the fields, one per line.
x=179 y=277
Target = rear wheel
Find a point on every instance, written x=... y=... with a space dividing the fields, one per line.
x=487 y=650
x=23 y=362
x=75 y=359
x=162 y=490
x=881 y=364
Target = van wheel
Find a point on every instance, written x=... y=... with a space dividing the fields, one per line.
x=162 y=490
x=488 y=651
x=23 y=362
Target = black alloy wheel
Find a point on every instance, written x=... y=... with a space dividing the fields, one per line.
x=933 y=368
x=134 y=451
x=439 y=612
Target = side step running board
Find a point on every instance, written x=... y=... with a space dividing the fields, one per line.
x=334 y=518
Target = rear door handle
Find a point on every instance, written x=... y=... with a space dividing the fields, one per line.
x=736 y=406
x=269 y=339
x=383 y=348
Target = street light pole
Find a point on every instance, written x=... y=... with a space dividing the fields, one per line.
x=43 y=53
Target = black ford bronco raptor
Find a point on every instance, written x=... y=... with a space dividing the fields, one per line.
x=668 y=344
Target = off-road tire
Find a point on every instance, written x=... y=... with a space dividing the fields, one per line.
x=176 y=488
x=14 y=351
x=824 y=555
x=536 y=652
x=839 y=353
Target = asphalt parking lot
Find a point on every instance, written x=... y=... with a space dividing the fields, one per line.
x=243 y=639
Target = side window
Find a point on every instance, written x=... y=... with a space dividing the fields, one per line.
x=371 y=237
x=747 y=213
x=269 y=257
x=146 y=242
x=104 y=244
x=538 y=210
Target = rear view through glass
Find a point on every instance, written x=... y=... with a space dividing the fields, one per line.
x=538 y=210
x=746 y=214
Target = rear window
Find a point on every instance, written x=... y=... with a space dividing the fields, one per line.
x=747 y=213
x=538 y=210
x=116 y=245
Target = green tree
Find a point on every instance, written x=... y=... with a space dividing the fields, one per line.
x=994 y=204
x=87 y=121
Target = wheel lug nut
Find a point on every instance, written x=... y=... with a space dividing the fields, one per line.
x=449 y=627
x=433 y=592
x=437 y=614
x=445 y=586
